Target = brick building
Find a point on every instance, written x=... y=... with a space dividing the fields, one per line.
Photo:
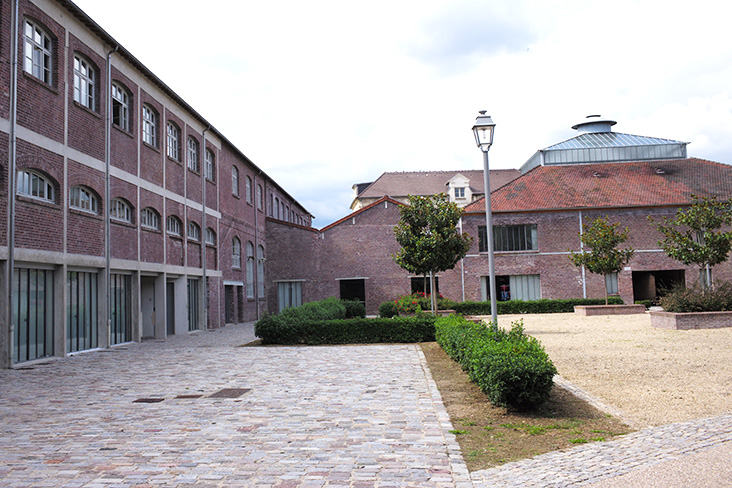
x=183 y=213
x=537 y=217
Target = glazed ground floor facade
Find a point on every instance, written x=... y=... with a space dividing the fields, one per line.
x=59 y=305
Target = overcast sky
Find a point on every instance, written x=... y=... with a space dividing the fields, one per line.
x=325 y=94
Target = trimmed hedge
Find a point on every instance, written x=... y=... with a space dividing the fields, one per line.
x=531 y=306
x=325 y=322
x=388 y=310
x=511 y=368
x=354 y=309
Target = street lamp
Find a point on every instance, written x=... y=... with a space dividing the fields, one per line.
x=483 y=131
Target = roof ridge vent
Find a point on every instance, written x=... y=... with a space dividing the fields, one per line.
x=594 y=124
x=660 y=171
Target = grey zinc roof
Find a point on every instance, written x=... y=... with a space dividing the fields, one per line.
x=597 y=147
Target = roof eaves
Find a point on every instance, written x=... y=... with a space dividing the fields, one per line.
x=361 y=210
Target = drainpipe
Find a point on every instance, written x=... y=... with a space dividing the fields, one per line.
x=255 y=271
x=107 y=197
x=12 y=175
x=582 y=250
x=204 y=229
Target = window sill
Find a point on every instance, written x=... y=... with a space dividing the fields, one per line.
x=85 y=213
x=40 y=82
x=530 y=251
x=122 y=223
x=176 y=161
x=151 y=229
x=123 y=131
x=37 y=201
x=86 y=109
x=145 y=144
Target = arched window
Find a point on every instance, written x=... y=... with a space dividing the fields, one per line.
x=259 y=197
x=173 y=145
x=120 y=107
x=38 y=52
x=249 y=189
x=84 y=83
x=149 y=126
x=173 y=226
x=120 y=210
x=236 y=253
x=193 y=155
x=32 y=184
x=250 y=270
x=82 y=198
x=210 y=165
x=234 y=181
x=194 y=231
x=260 y=270
x=210 y=237
x=150 y=218
x=276 y=208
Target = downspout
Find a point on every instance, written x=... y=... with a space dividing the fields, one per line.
x=255 y=273
x=462 y=261
x=582 y=250
x=107 y=200
x=12 y=175
x=204 y=230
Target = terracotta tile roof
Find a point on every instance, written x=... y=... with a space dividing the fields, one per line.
x=646 y=183
x=398 y=184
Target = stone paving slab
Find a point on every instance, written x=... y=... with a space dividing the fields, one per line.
x=312 y=417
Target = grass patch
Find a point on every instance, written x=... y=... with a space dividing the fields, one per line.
x=490 y=436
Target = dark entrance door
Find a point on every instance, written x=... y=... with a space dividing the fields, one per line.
x=353 y=290
x=170 y=308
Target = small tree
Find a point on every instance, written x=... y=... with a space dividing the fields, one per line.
x=604 y=258
x=430 y=239
x=694 y=236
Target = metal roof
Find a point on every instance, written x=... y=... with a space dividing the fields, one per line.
x=608 y=139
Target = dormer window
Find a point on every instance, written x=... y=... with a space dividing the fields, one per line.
x=460 y=192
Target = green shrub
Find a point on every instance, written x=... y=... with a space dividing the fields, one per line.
x=354 y=308
x=511 y=368
x=530 y=306
x=646 y=303
x=388 y=310
x=697 y=299
x=273 y=328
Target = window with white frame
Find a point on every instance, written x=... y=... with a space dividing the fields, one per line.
x=173 y=144
x=234 y=181
x=459 y=192
x=194 y=231
x=260 y=271
x=173 y=226
x=193 y=154
x=611 y=283
x=210 y=164
x=149 y=126
x=250 y=270
x=289 y=294
x=82 y=198
x=38 y=52
x=32 y=184
x=210 y=237
x=120 y=107
x=236 y=253
x=120 y=210
x=149 y=218
x=248 y=189
x=84 y=84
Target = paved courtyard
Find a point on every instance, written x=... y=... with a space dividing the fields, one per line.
x=197 y=410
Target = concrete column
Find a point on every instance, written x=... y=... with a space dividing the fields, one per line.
x=159 y=313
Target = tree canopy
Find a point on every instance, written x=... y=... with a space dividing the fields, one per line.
x=695 y=235
x=429 y=235
x=604 y=257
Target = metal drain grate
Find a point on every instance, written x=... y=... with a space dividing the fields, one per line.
x=230 y=393
x=188 y=396
x=148 y=400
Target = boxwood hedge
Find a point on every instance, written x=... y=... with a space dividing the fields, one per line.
x=326 y=322
x=531 y=306
x=511 y=368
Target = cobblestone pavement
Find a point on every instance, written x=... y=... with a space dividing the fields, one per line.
x=356 y=416
x=353 y=416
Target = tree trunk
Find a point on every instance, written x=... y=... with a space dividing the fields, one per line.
x=433 y=298
x=605 y=276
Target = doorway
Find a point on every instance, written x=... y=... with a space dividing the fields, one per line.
x=353 y=290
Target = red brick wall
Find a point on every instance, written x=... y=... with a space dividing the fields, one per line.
x=87 y=125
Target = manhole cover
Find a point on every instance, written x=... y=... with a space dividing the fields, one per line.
x=230 y=393
x=148 y=400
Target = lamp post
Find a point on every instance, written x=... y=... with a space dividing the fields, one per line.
x=483 y=131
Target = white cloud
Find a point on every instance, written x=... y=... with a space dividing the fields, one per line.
x=325 y=94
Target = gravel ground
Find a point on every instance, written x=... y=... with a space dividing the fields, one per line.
x=653 y=376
